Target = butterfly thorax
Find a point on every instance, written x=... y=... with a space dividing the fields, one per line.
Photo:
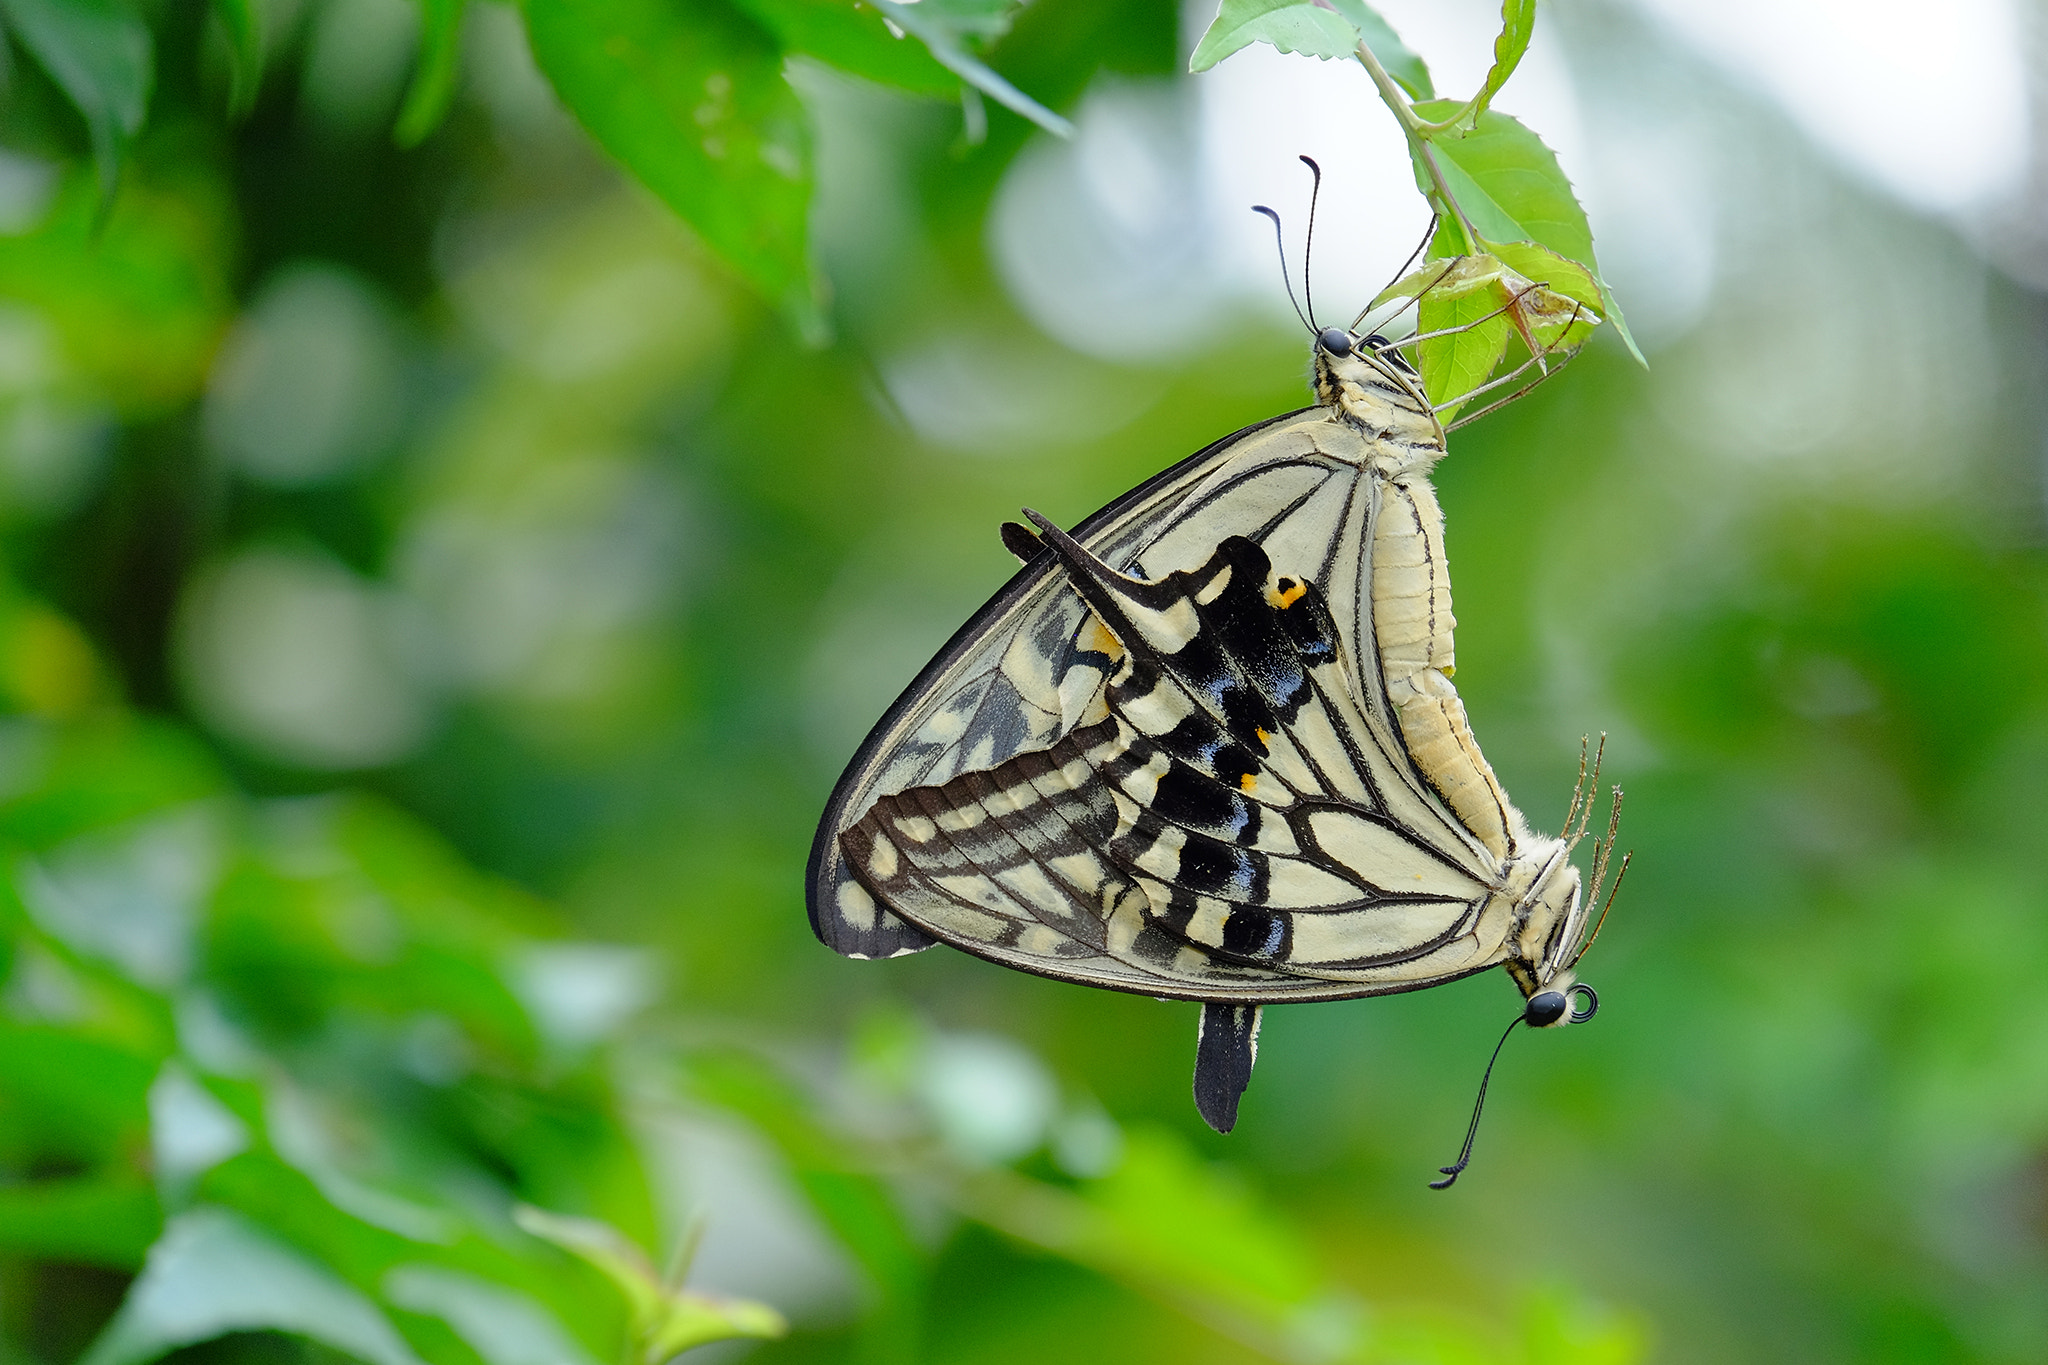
x=1542 y=941
x=1371 y=393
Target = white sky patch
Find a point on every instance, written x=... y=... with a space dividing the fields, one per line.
x=1129 y=244
x=1929 y=101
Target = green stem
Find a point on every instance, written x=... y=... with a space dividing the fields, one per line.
x=1418 y=131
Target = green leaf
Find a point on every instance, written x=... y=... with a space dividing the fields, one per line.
x=1481 y=301
x=1562 y=279
x=72 y=1097
x=689 y=96
x=855 y=39
x=665 y=1321
x=607 y=1249
x=433 y=80
x=100 y=55
x=1510 y=188
x=137 y=288
x=941 y=29
x=213 y=1273
x=244 y=29
x=696 y=1319
x=103 y=772
x=1290 y=25
x=90 y=1220
x=1462 y=298
x=1401 y=62
x=1517 y=24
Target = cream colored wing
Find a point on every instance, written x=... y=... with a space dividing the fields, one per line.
x=1028 y=669
x=1228 y=826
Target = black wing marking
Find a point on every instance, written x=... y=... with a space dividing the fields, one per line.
x=1182 y=845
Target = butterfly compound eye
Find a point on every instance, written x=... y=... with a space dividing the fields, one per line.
x=1335 y=340
x=1545 y=1009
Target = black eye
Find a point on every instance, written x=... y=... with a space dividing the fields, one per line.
x=1335 y=340
x=1545 y=1009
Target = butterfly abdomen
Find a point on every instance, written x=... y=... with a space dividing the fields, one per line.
x=1413 y=626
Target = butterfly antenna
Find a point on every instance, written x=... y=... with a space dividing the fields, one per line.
x=1420 y=247
x=1457 y=1168
x=1285 y=278
x=1308 y=286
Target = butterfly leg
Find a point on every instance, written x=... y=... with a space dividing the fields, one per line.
x=1225 y=1047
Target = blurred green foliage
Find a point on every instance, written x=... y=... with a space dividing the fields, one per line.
x=438 y=593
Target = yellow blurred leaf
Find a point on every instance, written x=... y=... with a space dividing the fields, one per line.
x=48 y=665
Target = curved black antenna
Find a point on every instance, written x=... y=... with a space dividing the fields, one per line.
x=1453 y=1171
x=1308 y=288
x=1284 y=277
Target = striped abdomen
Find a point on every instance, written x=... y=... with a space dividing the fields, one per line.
x=1413 y=624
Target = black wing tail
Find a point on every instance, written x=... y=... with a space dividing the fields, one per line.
x=1225 y=1048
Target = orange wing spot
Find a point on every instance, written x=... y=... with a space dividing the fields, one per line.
x=1265 y=738
x=1246 y=783
x=1099 y=639
x=1286 y=593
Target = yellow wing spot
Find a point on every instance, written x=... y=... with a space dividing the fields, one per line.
x=1288 y=593
x=1450 y=670
x=1265 y=737
x=1246 y=783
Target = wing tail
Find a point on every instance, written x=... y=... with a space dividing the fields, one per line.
x=1226 y=1045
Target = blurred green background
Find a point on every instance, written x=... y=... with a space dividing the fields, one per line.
x=439 y=596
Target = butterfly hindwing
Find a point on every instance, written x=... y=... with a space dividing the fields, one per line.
x=1177 y=845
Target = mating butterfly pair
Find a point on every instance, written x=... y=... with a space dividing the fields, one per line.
x=1206 y=747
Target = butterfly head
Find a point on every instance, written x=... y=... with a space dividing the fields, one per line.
x=1369 y=380
x=1568 y=1001
x=1374 y=352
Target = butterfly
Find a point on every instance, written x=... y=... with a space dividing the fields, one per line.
x=1205 y=746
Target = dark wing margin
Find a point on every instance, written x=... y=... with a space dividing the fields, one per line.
x=843 y=914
